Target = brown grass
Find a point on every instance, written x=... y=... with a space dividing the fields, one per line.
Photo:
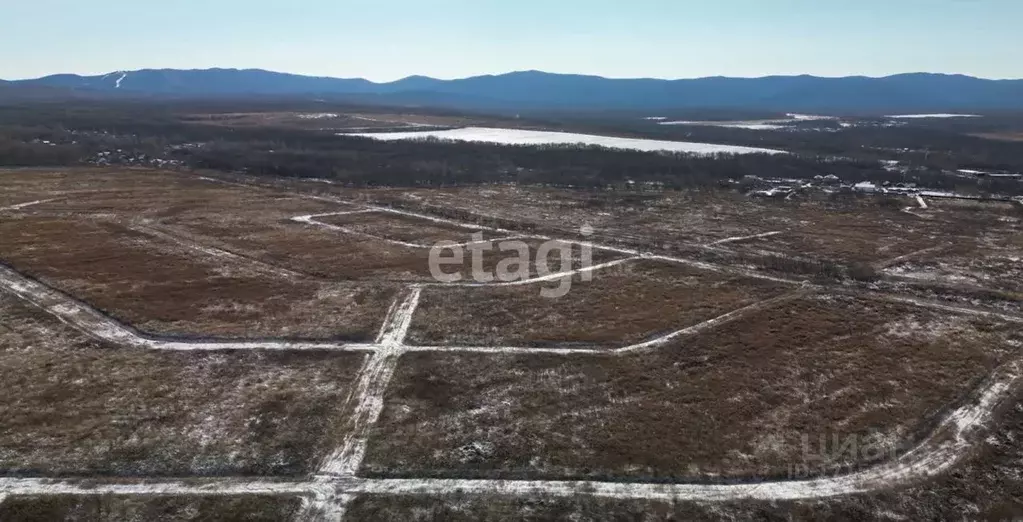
x=986 y=486
x=407 y=229
x=163 y=290
x=213 y=508
x=733 y=402
x=622 y=305
x=73 y=407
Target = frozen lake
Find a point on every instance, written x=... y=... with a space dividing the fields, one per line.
x=533 y=137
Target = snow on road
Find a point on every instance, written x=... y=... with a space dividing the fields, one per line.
x=372 y=384
x=534 y=137
x=745 y=238
x=20 y=206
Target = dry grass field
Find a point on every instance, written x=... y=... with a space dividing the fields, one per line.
x=986 y=487
x=623 y=304
x=159 y=288
x=252 y=508
x=240 y=300
x=72 y=406
x=732 y=402
x=407 y=229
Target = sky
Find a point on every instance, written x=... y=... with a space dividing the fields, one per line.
x=384 y=40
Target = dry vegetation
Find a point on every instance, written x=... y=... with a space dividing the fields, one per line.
x=623 y=304
x=159 y=288
x=732 y=402
x=986 y=252
x=854 y=230
x=73 y=407
x=251 y=508
x=343 y=121
x=407 y=229
x=986 y=487
x=178 y=255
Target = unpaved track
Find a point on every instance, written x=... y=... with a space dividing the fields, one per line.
x=736 y=239
x=372 y=384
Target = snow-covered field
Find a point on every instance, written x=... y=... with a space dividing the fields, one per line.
x=532 y=137
x=922 y=116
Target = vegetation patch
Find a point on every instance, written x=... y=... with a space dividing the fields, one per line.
x=735 y=401
x=623 y=304
x=74 y=407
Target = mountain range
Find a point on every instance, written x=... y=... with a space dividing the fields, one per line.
x=541 y=90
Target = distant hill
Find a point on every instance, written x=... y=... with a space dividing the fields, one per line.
x=540 y=90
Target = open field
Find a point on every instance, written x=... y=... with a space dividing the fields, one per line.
x=72 y=406
x=406 y=229
x=853 y=230
x=623 y=304
x=150 y=509
x=986 y=487
x=732 y=402
x=183 y=345
x=158 y=288
x=989 y=258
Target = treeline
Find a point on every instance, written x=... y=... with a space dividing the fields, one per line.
x=79 y=133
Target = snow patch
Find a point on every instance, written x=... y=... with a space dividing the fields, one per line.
x=533 y=137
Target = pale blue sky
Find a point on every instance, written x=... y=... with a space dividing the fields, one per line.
x=389 y=39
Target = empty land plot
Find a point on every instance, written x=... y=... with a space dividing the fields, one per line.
x=407 y=229
x=986 y=486
x=72 y=406
x=157 y=288
x=859 y=235
x=109 y=508
x=971 y=264
x=622 y=305
x=987 y=250
x=315 y=251
x=729 y=402
x=334 y=254
x=656 y=217
x=152 y=195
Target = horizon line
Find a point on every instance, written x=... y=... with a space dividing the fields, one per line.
x=521 y=71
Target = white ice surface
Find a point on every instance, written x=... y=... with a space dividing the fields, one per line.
x=533 y=137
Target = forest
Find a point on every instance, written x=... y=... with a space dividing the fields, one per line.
x=158 y=134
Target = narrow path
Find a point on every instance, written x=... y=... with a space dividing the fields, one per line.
x=324 y=506
x=744 y=238
x=20 y=206
x=372 y=384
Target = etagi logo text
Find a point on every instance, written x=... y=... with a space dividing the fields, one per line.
x=447 y=262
